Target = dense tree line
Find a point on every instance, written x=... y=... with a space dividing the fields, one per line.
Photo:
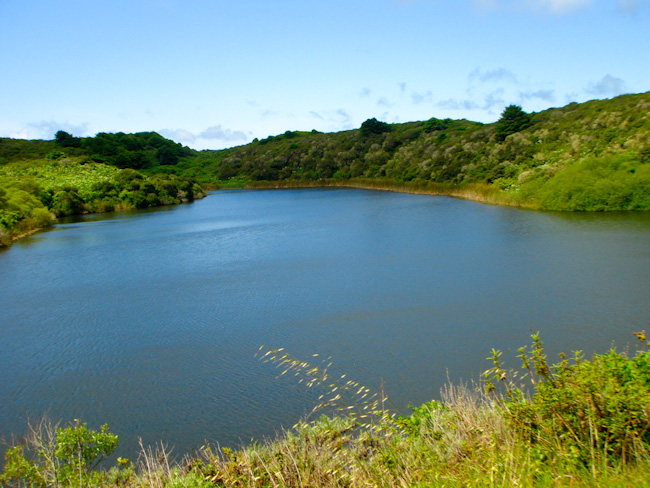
x=138 y=151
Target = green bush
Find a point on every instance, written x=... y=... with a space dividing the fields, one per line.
x=583 y=409
x=610 y=182
x=41 y=217
x=67 y=202
x=54 y=456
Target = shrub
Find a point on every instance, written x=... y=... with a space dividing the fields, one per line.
x=584 y=409
x=42 y=217
x=55 y=456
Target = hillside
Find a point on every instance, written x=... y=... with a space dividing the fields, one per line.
x=589 y=156
x=43 y=180
x=592 y=156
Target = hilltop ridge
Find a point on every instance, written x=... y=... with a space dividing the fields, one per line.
x=592 y=156
x=587 y=156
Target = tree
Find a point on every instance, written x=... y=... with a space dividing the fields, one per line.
x=65 y=139
x=374 y=126
x=513 y=119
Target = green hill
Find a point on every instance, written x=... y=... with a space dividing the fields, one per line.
x=42 y=180
x=589 y=156
x=592 y=156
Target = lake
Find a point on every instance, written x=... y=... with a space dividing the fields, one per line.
x=150 y=320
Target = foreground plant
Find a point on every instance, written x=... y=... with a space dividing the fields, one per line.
x=58 y=456
x=583 y=412
x=583 y=423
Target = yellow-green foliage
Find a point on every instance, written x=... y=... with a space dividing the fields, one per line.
x=610 y=182
x=32 y=192
x=59 y=173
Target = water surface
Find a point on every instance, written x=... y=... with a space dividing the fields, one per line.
x=150 y=321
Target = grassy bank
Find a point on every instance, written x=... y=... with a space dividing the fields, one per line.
x=582 y=423
x=478 y=192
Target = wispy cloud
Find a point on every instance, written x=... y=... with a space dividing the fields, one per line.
x=216 y=132
x=489 y=102
x=423 y=97
x=546 y=95
x=608 y=85
x=633 y=7
x=22 y=134
x=178 y=135
x=384 y=102
x=47 y=129
x=492 y=76
x=555 y=7
x=561 y=6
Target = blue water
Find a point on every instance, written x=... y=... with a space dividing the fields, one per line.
x=150 y=321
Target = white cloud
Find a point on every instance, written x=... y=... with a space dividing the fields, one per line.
x=561 y=6
x=633 y=7
x=455 y=104
x=47 y=129
x=218 y=133
x=608 y=85
x=19 y=135
x=490 y=101
x=178 y=135
x=344 y=118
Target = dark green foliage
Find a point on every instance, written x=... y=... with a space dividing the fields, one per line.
x=549 y=165
x=20 y=150
x=67 y=202
x=434 y=124
x=65 y=139
x=513 y=119
x=373 y=126
x=138 y=151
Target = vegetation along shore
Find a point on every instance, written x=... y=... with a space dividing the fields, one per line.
x=577 y=422
x=593 y=156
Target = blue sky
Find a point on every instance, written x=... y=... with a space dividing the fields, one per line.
x=218 y=73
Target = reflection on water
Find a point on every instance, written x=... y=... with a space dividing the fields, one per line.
x=149 y=321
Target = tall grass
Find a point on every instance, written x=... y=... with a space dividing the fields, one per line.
x=584 y=423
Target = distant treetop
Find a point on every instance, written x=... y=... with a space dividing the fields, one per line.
x=374 y=126
x=513 y=119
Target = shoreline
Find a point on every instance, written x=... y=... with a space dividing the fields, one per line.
x=33 y=231
x=476 y=192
